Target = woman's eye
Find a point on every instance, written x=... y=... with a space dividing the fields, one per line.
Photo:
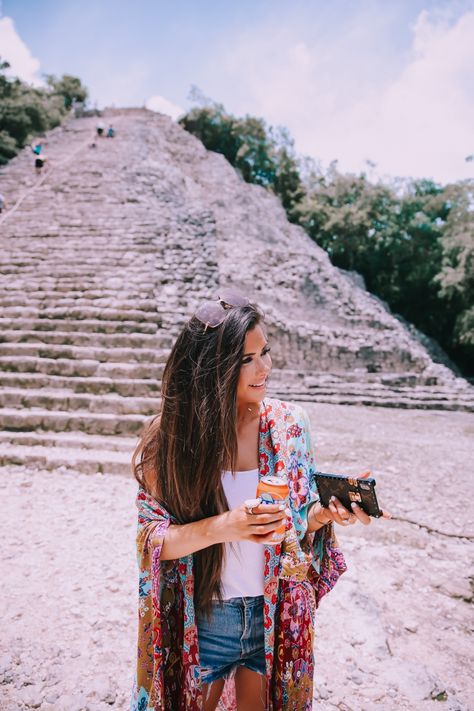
x=266 y=350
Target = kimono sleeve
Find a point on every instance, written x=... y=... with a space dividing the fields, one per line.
x=153 y=522
x=328 y=562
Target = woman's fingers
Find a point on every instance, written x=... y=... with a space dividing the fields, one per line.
x=264 y=528
x=255 y=519
x=339 y=512
x=268 y=508
x=345 y=517
x=360 y=514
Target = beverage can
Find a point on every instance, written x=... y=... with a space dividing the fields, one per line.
x=273 y=490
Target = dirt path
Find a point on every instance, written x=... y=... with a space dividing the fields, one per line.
x=394 y=633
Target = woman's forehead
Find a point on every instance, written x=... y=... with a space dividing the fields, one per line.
x=255 y=338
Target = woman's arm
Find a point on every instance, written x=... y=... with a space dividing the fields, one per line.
x=235 y=525
x=190 y=537
x=316 y=517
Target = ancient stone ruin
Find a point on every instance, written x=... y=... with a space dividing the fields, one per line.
x=108 y=252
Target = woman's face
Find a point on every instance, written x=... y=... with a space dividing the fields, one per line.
x=255 y=368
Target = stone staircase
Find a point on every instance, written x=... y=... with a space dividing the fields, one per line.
x=109 y=253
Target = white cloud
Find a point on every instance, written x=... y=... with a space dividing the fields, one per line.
x=421 y=124
x=348 y=97
x=17 y=54
x=164 y=106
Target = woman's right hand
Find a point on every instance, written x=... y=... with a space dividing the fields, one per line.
x=258 y=527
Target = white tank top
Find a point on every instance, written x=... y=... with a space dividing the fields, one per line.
x=242 y=572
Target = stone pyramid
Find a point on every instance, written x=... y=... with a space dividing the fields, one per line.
x=106 y=254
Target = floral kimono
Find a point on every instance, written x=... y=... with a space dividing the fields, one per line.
x=298 y=573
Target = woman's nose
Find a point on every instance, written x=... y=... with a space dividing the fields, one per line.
x=264 y=367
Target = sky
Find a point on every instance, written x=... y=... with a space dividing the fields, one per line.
x=385 y=81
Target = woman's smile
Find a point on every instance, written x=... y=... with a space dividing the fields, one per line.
x=261 y=385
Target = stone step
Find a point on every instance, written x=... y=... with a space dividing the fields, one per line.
x=67 y=302
x=387 y=401
x=66 y=401
x=92 y=326
x=74 y=338
x=109 y=260
x=54 y=289
x=69 y=440
x=17 y=289
x=85 y=461
x=375 y=389
x=307 y=380
x=22 y=255
x=81 y=368
x=370 y=385
x=126 y=387
x=131 y=275
x=12 y=312
x=79 y=421
x=83 y=353
x=85 y=252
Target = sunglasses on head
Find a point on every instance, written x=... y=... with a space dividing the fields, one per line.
x=213 y=313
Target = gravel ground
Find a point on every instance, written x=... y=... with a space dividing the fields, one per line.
x=394 y=633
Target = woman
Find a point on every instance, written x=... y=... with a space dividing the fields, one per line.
x=224 y=612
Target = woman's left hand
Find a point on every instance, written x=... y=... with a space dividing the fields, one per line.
x=338 y=513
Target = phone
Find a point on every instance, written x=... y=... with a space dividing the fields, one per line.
x=348 y=489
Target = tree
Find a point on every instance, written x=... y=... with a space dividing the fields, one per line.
x=69 y=88
x=456 y=277
x=261 y=154
x=26 y=111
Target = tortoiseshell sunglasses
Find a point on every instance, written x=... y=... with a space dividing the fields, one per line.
x=213 y=313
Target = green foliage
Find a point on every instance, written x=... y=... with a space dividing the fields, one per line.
x=8 y=147
x=260 y=154
x=27 y=111
x=214 y=127
x=456 y=277
x=68 y=88
x=413 y=241
x=392 y=239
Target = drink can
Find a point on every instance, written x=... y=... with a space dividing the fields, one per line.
x=273 y=490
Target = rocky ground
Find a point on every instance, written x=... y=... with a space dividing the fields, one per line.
x=394 y=633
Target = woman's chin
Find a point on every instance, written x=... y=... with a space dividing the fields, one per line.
x=257 y=394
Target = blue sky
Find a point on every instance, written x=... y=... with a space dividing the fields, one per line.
x=389 y=81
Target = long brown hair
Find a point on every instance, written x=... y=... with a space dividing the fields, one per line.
x=183 y=451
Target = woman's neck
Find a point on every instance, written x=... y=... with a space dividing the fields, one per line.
x=247 y=412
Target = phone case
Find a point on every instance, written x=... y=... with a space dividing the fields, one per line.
x=348 y=489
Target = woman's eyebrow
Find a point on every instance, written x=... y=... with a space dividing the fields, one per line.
x=250 y=354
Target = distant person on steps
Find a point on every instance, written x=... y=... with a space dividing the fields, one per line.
x=111 y=132
x=100 y=128
x=40 y=160
x=3 y=203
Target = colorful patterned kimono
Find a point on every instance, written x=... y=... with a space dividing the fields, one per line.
x=298 y=572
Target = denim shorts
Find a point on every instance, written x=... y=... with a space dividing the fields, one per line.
x=233 y=636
